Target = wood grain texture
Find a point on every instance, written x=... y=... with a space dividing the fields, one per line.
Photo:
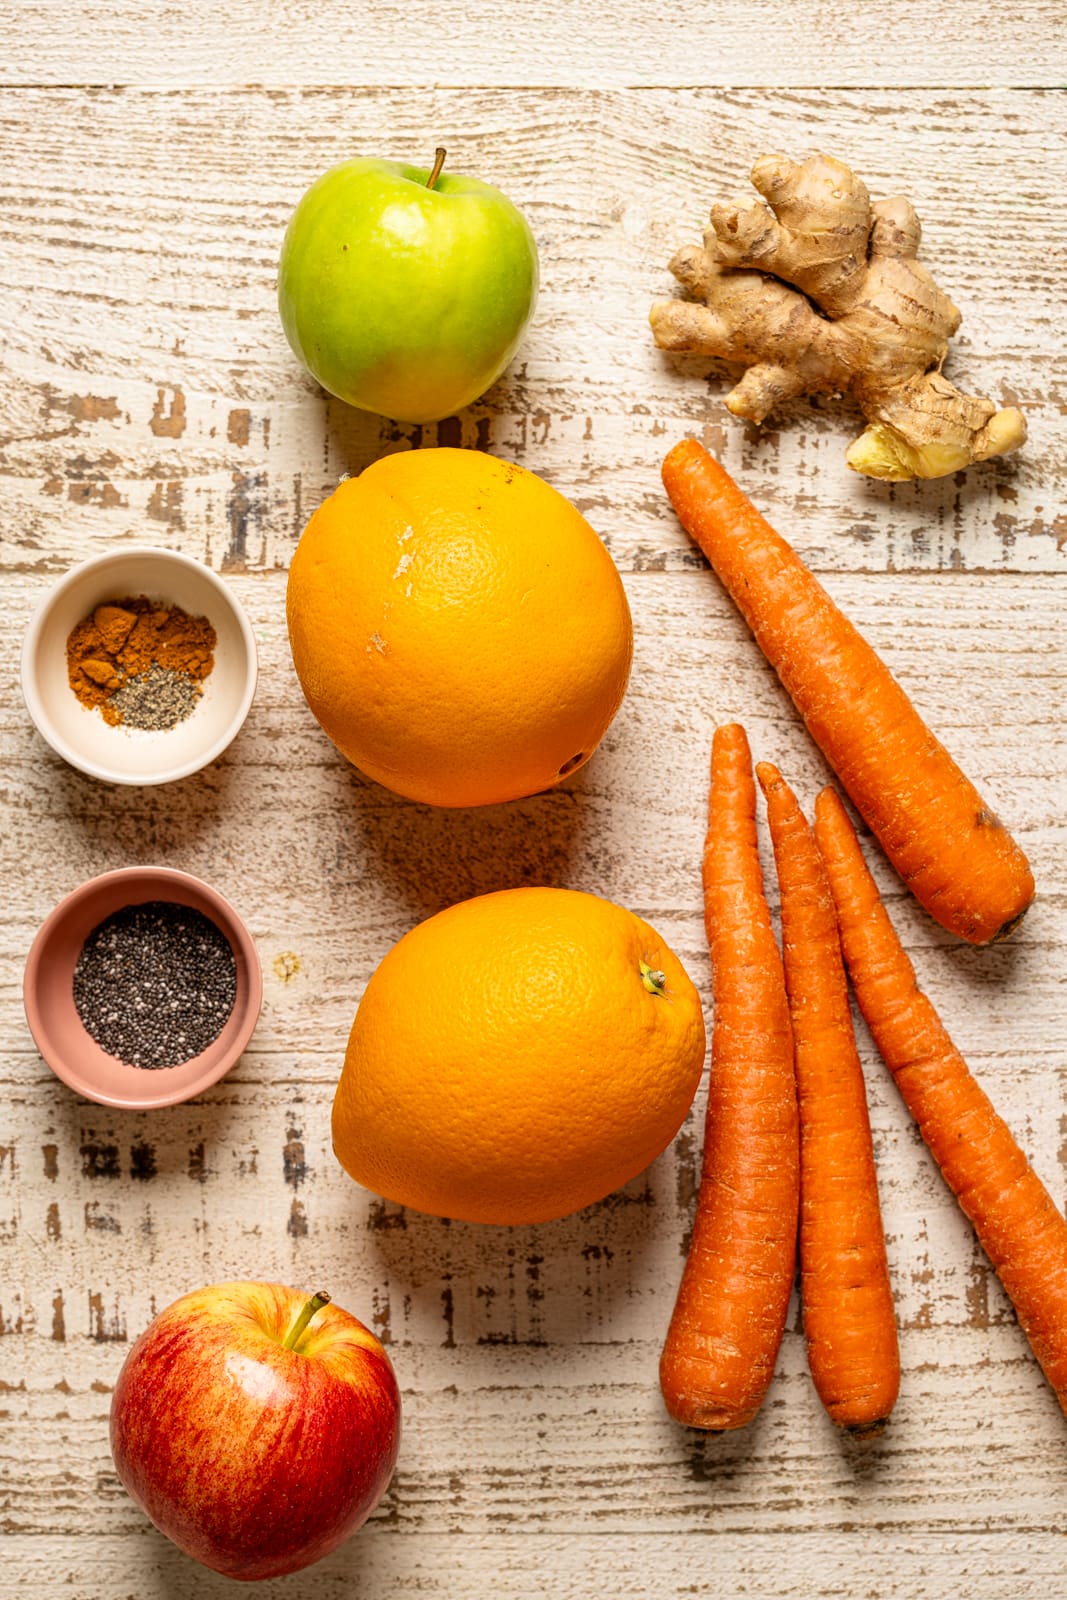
x=568 y=44
x=149 y=396
x=151 y=390
x=573 y=1566
x=527 y=1357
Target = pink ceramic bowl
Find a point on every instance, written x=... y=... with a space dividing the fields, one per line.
x=48 y=992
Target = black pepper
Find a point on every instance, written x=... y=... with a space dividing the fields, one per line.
x=155 y=984
x=159 y=698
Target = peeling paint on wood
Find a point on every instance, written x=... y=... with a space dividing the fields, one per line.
x=150 y=397
x=207 y=431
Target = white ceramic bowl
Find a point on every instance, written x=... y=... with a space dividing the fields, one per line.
x=137 y=755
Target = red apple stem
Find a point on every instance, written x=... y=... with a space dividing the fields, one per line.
x=438 y=163
x=316 y=1303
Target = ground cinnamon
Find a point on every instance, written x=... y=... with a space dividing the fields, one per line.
x=124 y=639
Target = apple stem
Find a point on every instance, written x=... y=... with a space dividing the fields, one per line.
x=316 y=1303
x=438 y=163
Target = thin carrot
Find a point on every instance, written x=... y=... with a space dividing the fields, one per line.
x=849 y=1322
x=956 y=857
x=1017 y=1223
x=720 y=1351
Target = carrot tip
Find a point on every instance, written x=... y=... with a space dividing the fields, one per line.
x=768 y=775
x=1010 y=926
x=861 y=1431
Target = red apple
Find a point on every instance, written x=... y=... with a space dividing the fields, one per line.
x=256 y=1425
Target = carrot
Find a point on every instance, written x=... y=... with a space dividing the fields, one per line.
x=947 y=845
x=849 y=1322
x=1016 y=1221
x=720 y=1351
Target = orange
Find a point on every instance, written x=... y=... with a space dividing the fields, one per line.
x=458 y=628
x=517 y=1057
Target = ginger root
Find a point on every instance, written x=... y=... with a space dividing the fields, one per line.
x=818 y=291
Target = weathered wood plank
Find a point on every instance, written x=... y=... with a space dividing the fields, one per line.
x=507 y=1438
x=151 y=394
x=983 y=658
x=528 y=1356
x=461 y=1565
x=567 y=44
x=244 y=1182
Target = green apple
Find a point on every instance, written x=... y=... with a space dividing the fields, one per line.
x=406 y=291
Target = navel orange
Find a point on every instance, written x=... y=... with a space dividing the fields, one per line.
x=517 y=1057
x=459 y=630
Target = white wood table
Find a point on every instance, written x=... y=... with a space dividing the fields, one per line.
x=151 y=158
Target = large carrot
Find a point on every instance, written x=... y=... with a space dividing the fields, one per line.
x=849 y=1322
x=947 y=845
x=719 y=1355
x=1016 y=1221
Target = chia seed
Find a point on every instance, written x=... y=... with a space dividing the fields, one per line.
x=155 y=984
x=157 y=699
